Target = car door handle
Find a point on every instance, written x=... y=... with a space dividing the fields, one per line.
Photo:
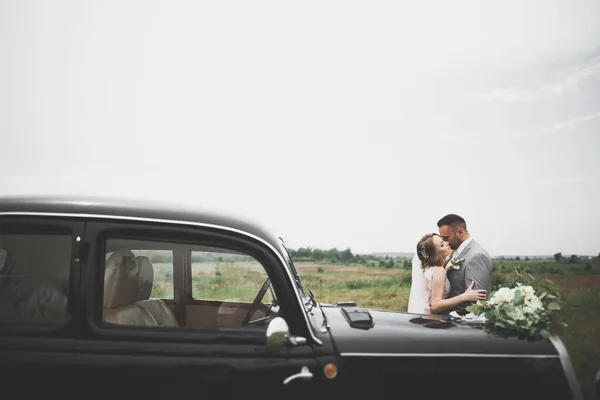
x=303 y=374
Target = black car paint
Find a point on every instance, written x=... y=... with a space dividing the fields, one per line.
x=465 y=355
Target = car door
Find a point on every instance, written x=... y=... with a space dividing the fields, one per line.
x=39 y=313
x=200 y=339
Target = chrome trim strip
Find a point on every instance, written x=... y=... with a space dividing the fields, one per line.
x=168 y=221
x=565 y=361
x=469 y=355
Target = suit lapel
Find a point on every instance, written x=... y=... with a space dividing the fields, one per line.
x=465 y=250
x=456 y=277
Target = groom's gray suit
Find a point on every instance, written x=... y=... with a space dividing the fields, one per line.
x=477 y=266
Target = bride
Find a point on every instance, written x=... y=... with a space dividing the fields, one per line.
x=430 y=290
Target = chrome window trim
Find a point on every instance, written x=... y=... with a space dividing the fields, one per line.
x=174 y=222
x=468 y=355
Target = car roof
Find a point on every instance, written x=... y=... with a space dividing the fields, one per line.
x=135 y=209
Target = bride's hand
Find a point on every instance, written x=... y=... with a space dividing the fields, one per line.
x=474 y=295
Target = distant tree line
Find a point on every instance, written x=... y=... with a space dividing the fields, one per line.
x=573 y=258
x=346 y=257
x=558 y=257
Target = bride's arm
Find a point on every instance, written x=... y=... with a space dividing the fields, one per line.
x=438 y=280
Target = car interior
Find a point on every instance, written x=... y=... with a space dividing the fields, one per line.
x=151 y=283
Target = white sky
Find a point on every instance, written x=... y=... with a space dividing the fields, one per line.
x=335 y=123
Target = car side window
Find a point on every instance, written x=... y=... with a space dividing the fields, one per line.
x=221 y=287
x=162 y=264
x=232 y=280
x=34 y=278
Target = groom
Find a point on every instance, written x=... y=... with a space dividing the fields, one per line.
x=470 y=261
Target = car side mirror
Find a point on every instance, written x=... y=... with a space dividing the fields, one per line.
x=278 y=336
x=278 y=333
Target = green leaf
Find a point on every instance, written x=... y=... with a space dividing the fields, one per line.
x=541 y=296
x=545 y=334
x=519 y=297
x=553 y=306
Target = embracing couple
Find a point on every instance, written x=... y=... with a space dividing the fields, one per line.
x=450 y=270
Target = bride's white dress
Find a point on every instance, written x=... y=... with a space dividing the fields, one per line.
x=420 y=289
x=427 y=275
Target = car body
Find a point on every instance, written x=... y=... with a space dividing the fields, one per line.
x=113 y=296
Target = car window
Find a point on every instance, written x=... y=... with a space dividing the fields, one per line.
x=233 y=279
x=162 y=263
x=34 y=278
x=218 y=274
x=218 y=286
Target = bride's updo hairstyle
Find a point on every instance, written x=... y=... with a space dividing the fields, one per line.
x=427 y=252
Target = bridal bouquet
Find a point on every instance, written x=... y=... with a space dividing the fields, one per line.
x=518 y=310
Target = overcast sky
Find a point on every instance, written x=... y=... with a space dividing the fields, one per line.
x=335 y=123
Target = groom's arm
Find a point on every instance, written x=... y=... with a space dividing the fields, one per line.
x=479 y=270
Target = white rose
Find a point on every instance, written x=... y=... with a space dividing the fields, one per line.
x=505 y=295
x=536 y=303
x=529 y=292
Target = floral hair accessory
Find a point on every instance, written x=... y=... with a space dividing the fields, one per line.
x=423 y=253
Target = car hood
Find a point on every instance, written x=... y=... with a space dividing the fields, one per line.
x=405 y=333
x=391 y=349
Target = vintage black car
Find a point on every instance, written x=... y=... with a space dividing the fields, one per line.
x=112 y=298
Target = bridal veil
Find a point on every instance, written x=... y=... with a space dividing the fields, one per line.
x=416 y=300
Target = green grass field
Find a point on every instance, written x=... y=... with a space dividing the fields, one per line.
x=388 y=288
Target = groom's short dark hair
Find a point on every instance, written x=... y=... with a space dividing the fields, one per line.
x=452 y=220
